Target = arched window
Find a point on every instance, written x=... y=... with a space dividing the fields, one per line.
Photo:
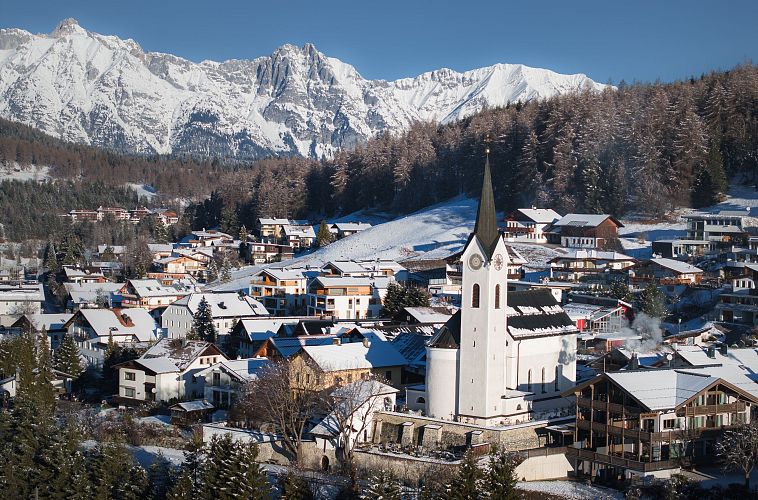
x=543 y=380
x=497 y=296
x=475 y=296
x=529 y=381
x=557 y=376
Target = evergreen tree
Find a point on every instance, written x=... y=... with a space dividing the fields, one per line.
x=293 y=487
x=211 y=272
x=67 y=358
x=620 y=290
x=399 y=296
x=243 y=242
x=108 y=255
x=183 y=489
x=202 y=322
x=159 y=477
x=73 y=249
x=324 y=236
x=467 y=483
x=50 y=261
x=500 y=479
x=226 y=271
x=383 y=486
x=651 y=301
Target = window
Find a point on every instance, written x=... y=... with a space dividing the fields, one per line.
x=497 y=296
x=529 y=381
x=669 y=424
x=129 y=376
x=129 y=392
x=420 y=400
x=543 y=380
x=388 y=375
x=349 y=378
x=557 y=376
x=475 y=296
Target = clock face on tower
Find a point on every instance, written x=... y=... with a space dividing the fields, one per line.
x=475 y=261
x=498 y=260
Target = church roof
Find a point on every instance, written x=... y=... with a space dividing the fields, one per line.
x=486 y=229
x=530 y=313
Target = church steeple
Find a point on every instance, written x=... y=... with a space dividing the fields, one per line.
x=486 y=229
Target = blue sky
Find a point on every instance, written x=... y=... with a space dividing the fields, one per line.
x=608 y=40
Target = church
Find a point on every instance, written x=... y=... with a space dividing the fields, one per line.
x=503 y=357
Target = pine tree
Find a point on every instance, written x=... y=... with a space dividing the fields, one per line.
x=243 y=242
x=67 y=357
x=159 y=477
x=202 y=322
x=383 y=486
x=399 y=296
x=500 y=479
x=324 y=236
x=226 y=271
x=183 y=489
x=211 y=272
x=293 y=487
x=467 y=483
x=651 y=301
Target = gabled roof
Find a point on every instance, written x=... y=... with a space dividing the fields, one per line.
x=429 y=314
x=48 y=322
x=354 y=355
x=132 y=321
x=579 y=254
x=242 y=370
x=537 y=215
x=154 y=288
x=351 y=226
x=289 y=346
x=224 y=304
x=179 y=352
x=585 y=220
x=676 y=266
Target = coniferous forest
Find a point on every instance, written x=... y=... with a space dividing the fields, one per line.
x=639 y=148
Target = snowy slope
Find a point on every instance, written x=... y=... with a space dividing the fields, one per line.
x=102 y=90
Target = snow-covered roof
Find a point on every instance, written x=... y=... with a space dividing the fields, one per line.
x=261 y=328
x=197 y=405
x=243 y=370
x=181 y=353
x=22 y=293
x=117 y=249
x=282 y=274
x=299 y=231
x=269 y=221
x=577 y=310
x=86 y=293
x=578 y=254
x=347 y=266
x=160 y=247
x=132 y=321
x=154 y=288
x=351 y=398
x=584 y=220
x=341 y=281
x=540 y=215
x=224 y=304
x=661 y=389
x=289 y=346
x=49 y=321
x=351 y=226
x=354 y=355
x=429 y=314
x=676 y=266
x=158 y=365
x=75 y=272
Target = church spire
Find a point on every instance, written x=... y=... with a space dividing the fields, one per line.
x=486 y=229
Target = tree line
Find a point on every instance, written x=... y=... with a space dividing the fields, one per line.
x=639 y=148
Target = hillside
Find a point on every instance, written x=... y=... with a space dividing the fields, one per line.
x=102 y=90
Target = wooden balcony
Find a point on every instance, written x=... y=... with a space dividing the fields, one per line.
x=617 y=461
x=606 y=406
x=693 y=411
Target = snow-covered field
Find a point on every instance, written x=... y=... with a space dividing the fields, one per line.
x=571 y=490
x=14 y=171
x=143 y=190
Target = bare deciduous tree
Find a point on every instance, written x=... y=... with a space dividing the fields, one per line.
x=739 y=449
x=272 y=403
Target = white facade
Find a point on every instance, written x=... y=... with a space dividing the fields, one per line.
x=15 y=299
x=442 y=382
x=483 y=332
x=227 y=308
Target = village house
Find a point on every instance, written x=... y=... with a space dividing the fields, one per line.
x=346 y=297
x=225 y=380
x=266 y=253
x=271 y=228
x=338 y=362
x=529 y=224
x=345 y=229
x=92 y=295
x=578 y=263
x=353 y=409
x=61 y=382
x=84 y=215
x=76 y=274
x=250 y=333
x=282 y=291
x=117 y=213
x=682 y=249
x=424 y=315
x=724 y=226
x=584 y=230
x=363 y=269
x=591 y=319
x=116 y=250
x=21 y=298
x=150 y=294
x=298 y=236
x=650 y=422
x=167 y=371
x=94 y=328
x=167 y=216
x=209 y=238
x=139 y=213
x=183 y=265
x=52 y=324
x=665 y=272
x=739 y=305
x=227 y=308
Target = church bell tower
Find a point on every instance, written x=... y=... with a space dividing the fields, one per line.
x=481 y=382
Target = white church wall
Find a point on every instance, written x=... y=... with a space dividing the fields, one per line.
x=441 y=382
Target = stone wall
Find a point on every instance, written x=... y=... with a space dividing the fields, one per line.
x=409 y=429
x=406 y=468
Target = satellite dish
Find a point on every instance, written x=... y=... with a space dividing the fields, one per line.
x=669 y=357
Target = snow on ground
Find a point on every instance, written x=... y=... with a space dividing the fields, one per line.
x=143 y=190
x=14 y=171
x=571 y=490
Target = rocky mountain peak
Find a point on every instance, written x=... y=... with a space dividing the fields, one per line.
x=67 y=27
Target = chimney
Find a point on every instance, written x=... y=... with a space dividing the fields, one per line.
x=634 y=363
x=724 y=350
x=366 y=343
x=711 y=351
x=336 y=341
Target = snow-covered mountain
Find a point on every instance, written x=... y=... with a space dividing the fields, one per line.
x=97 y=89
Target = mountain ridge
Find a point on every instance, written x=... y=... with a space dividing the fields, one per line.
x=106 y=91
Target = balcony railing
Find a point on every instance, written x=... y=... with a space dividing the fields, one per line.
x=617 y=461
x=691 y=411
x=603 y=406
